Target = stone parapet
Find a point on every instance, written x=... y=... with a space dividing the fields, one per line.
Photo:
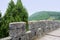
x=17 y=30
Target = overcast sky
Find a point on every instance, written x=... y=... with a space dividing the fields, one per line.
x=33 y=6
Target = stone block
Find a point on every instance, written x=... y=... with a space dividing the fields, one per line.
x=28 y=35
x=17 y=29
x=23 y=38
x=39 y=32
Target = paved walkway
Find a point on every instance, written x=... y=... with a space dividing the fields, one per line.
x=54 y=35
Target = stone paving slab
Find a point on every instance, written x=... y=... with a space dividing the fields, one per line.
x=47 y=37
x=56 y=32
x=54 y=35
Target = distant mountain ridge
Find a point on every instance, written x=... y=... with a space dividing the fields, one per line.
x=45 y=15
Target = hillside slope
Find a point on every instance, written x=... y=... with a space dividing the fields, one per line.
x=45 y=15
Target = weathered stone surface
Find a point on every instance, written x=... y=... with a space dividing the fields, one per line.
x=39 y=32
x=17 y=30
x=29 y=35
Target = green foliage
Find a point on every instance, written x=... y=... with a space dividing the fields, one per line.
x=45 y=15
x=21 y=12
x=0 y=19
x=14 y=13
x=6 y=19
x=0 y=14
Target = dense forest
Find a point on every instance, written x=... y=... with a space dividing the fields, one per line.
x=14 y=13
x=45 y=15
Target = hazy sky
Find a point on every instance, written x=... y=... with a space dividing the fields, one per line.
x=33 y=6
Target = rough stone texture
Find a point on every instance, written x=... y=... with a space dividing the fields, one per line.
x=17 y=30
x=28 y=35
x=39 y=32
x=54 y=35
x=45 y=25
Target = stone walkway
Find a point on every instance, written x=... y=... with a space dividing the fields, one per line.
x=54 y=35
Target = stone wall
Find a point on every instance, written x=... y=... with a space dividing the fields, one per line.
x=45 y=26
x=17 y=30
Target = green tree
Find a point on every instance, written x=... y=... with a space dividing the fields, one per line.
x=22 y=12
x=6 y=19
x=9 y=9
x=0 y=18
x=0 y=14
x=0 y=24
x=14 y=13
